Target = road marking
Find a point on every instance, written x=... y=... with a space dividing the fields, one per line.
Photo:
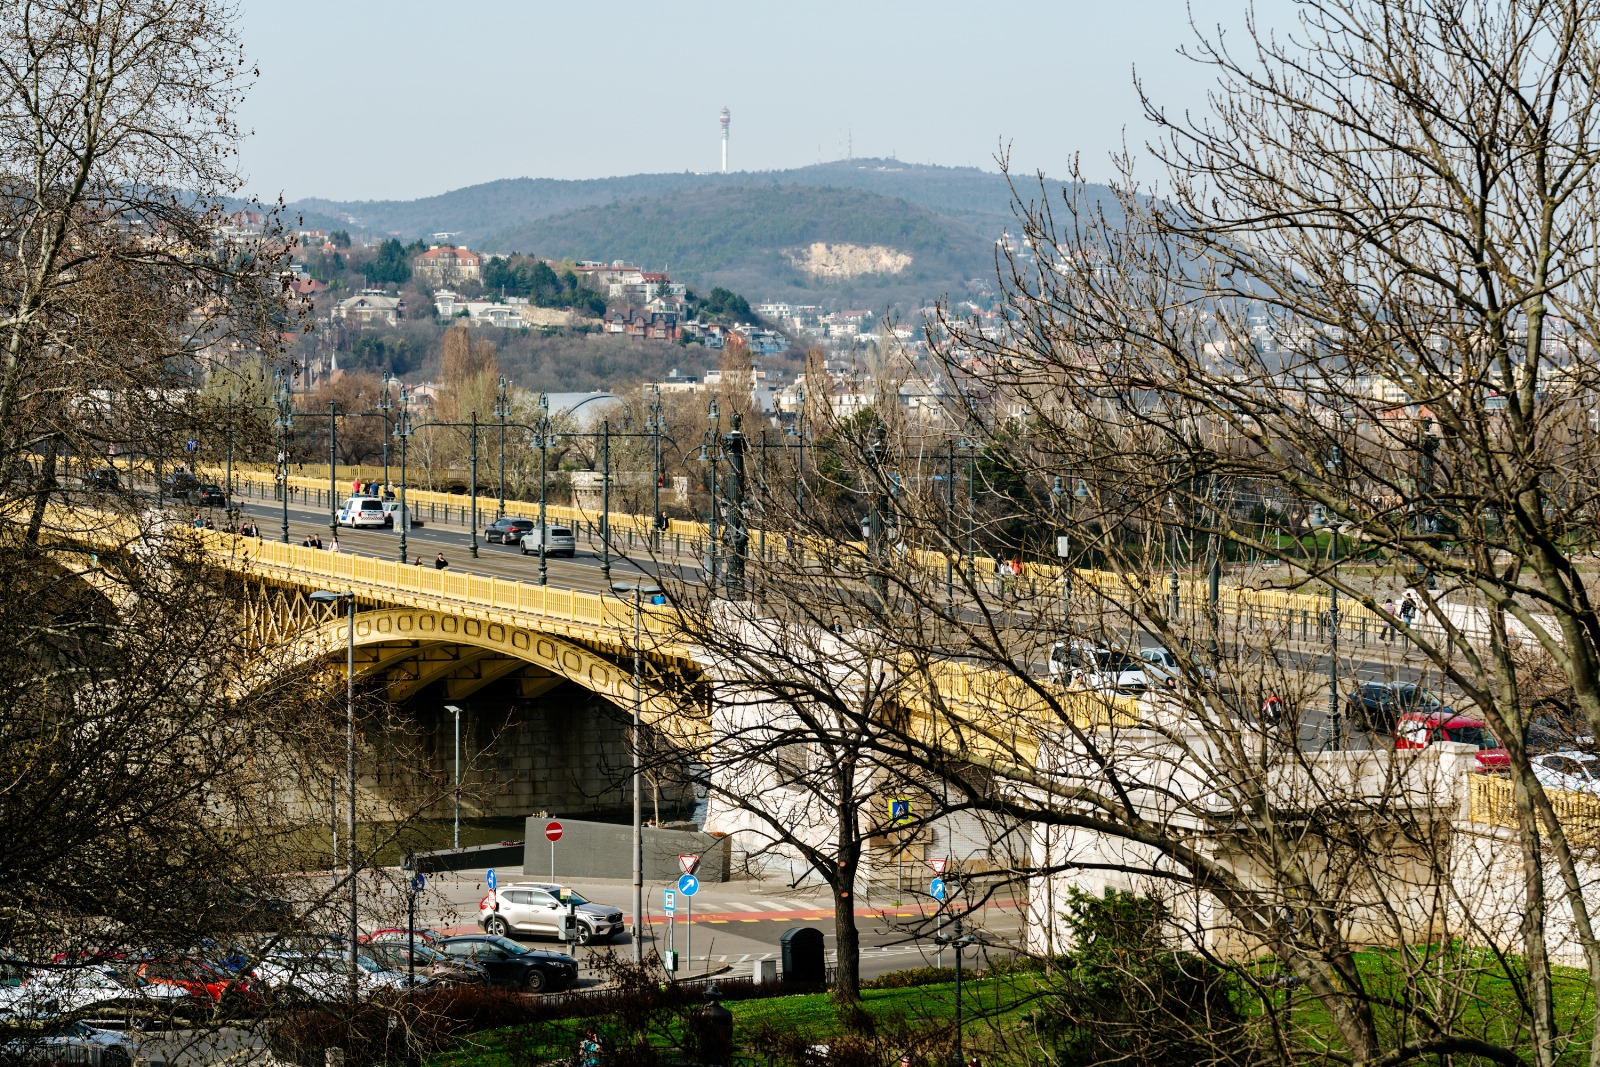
x=743 y=907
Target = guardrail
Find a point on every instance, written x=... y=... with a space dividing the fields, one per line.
x=1492 y=802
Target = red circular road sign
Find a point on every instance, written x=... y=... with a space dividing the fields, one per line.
x=552 y=830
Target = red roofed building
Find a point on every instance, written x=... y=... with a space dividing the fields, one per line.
x=447 y=264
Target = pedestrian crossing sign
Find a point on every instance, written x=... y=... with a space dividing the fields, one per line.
x=900 y=811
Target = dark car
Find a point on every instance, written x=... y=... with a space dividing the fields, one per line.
x=509 y=964
x=208 y=496
x=102 y=478
x=507 y=531
x=179 y=483
x=1377 y=706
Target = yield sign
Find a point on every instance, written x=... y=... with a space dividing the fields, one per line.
x=937 y=865
x=688 y=863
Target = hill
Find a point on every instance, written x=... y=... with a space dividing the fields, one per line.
x=762 y=240
x=733 y=229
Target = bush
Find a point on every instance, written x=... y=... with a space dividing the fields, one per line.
x=915 y=976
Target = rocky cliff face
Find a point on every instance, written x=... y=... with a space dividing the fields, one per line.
x=835 y=261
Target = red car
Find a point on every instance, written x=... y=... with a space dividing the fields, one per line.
x=200 y=981
x=1421 y=729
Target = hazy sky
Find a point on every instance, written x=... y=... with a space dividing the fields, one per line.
x=400 y=99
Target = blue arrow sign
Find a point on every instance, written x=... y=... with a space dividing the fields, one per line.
x=489 y=877
x=936 y=889
x=688 y=885
x=417 y=883
x=669 y=901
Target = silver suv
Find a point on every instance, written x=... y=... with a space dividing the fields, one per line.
x=560 y=543
x=537 y=908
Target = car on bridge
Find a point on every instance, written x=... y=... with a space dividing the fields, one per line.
x=396 y=513
x=509 y=964
x=1105 y=670
x=507 y=531
x=1420 y=729
x=537 y=908
x=364 y=511
x=104 y=479
x=1378 y=706
x=559 y=542
x=208 y=496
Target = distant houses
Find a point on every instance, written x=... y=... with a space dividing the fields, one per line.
x=447 y=265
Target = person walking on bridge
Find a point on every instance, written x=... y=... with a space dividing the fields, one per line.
x=441 y=563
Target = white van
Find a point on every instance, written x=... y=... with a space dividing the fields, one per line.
x=364 y=511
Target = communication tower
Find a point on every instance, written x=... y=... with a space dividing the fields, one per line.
x=724 y=140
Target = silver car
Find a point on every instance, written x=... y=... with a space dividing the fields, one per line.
x=559 y=543
x=537 y=908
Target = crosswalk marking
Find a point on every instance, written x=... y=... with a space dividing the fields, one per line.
x=734 y=904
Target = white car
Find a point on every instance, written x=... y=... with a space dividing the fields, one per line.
x=560 y=543
x=364 y=511
x=538 y=907
x=326 y=975
x=1104 y=670
x=398 y=515
x=59 y=990
x=1575 y=772
x=75 y=1042
x=1162 y=668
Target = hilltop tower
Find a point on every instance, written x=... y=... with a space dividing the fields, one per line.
x=724 y=140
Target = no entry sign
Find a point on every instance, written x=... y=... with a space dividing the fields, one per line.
x=552 y=830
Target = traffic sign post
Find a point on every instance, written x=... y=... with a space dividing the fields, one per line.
x=488 y=876
x=552 y=831
x=669 y=904
x=688 y=885
x=688 y=863
x=937 y=891
x=899 y=815
x=938 y=865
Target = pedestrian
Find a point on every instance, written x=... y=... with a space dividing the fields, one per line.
x=1272 y=710
x=838 y=627
x=440 y=563
x=199 y=523
x=355 y=486
x=316 y=541
x=1388 y=619
x=1408 y=610
x=418 y=561
x=333 y=546
x=305 y=542
x=591 y=1053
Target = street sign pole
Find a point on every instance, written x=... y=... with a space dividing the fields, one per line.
x=688 y=932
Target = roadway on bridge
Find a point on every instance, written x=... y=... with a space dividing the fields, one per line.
x=584 y=572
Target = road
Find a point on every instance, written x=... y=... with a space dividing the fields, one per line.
x=737 y=923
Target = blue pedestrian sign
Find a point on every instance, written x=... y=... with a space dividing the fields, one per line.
x=688 y=885
x=936 y=889
x=489 y=877
x=669 y=901
x=900 y=811
x=417 y=883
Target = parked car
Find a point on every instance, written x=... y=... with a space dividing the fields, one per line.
x=1576 y=772
x=509 y=964
x=537 y=907
x=560 y=542
x=208 y=496
x=1378 y=706
x=75 y=988
x=395 y=513
x=364 y=511
x=401 y=935
x=295 y=975
x=1419 y=729
x=104 y=479
x=75 y=1042
x=427 y=963
x=1554 y=728
x=204 y=983
x=507 y=531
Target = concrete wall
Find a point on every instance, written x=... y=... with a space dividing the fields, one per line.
x=605 y=850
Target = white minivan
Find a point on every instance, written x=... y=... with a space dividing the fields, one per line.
x=560 y=542
x=364 y=511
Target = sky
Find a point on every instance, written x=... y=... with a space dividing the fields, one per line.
x=402 y=99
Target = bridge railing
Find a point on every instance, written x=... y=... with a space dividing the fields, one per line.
x=1492 y=801
x=383 y=578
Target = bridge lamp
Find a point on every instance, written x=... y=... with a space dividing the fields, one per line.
x=325 y=596
x=456 y=838
x=637 y=592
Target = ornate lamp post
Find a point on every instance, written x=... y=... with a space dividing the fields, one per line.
x=543 y=423
x=403 y=430
x=708 y=454
x=655 y=427
x=502 y=411
x=283 y=397
x=386 y=405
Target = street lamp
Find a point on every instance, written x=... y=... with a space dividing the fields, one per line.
x=386 y=405
x=324 y=596
x=655 y=428
x=333 y=469
x=403 y=429
x=283 y=397
x=455 y=838
x=543 y=422
x=713 y=431
x=637 y=592
x=502 y=411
